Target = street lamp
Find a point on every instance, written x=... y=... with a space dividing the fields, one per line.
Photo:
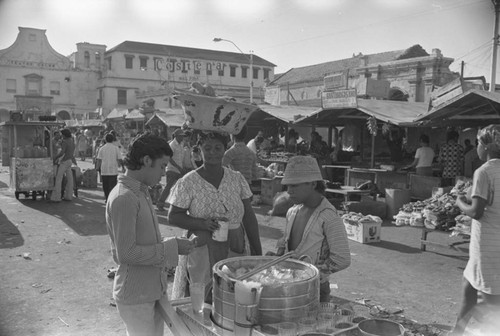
x=250 y=59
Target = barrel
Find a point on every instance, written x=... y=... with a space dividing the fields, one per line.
x=284 y=302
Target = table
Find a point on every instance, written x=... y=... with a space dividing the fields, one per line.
x=424 y=241
x=347 y=191
x=337 y=167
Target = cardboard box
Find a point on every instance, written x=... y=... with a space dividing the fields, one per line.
x=364 y=233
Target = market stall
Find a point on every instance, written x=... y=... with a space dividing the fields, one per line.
x=164 y=121
x=438 y=213
x=27 y=148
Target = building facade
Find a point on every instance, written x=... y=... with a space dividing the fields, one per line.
x=36 y=79
x=407 y=75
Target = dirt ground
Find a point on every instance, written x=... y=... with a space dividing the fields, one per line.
x=54 y=260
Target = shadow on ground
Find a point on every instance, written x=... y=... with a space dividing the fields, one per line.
x=81 y=214
x=10 y=236
x=396 y=247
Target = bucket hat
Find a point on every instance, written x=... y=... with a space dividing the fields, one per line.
x=301 y=169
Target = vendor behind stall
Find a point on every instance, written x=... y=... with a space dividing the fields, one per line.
x=313 y=228
x=423 y=157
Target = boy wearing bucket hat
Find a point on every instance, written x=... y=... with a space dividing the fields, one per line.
x=313 y=228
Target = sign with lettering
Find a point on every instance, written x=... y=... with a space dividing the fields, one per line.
x=185 y=66
x=32 y=174
x=272 y=95
x=339 y=99
x=335 y=81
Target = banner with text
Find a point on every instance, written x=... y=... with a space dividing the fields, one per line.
x=339 y=99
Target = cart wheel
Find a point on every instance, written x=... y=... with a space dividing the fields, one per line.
x=17 y=195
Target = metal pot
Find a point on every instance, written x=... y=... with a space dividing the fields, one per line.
x=380 y=327
x=286 y=302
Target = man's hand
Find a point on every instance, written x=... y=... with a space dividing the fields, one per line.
x=185 y=245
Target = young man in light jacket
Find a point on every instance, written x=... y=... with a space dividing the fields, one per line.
x=313 y=229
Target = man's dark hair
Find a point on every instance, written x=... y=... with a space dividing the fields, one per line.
x=242 y=135
x=66 y=133
x=145 y=144
x=424 y=138
x=109 y=138
x=320 y=187
x=452 y=135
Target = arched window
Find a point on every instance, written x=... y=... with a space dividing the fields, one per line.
x=98 y=60
x=86 y=59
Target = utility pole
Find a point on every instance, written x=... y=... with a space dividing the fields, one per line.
x=496 y=3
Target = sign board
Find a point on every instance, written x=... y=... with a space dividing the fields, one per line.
x=335 y=81
x=272 y=95
x=446 y=92
x=339 y=99
x=373 y=88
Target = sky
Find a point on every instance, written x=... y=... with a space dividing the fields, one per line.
x=288 y=33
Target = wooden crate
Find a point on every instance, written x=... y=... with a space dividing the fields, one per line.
x=269 y=188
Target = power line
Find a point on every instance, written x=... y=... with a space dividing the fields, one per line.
x=392 y=20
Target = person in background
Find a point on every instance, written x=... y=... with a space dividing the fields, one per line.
x=313 y=226
x=293 y=138
x=67 y=158
x=198 y=201
x=98 y=142
x=117 y=141
x=471 y=161
x=188 y=161
x=81 y=145
x=423 y=157
x=108 y=160
x=255 y=143
x=240 y=158
x=482 y=273
x=175 y=170
x=142 y=255
x=451 y=156
x=467 y=146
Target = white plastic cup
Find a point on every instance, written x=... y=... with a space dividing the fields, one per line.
x=197 y=291
x=221 y=233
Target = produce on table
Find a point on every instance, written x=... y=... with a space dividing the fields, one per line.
x=355 y=218
x=436 y=213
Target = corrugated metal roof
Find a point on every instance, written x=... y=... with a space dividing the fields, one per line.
x=318 y=71
x=176 y=51
x=470 y=108
x=285 y=113
x=389 y=111
x=135 y=115
x=169 y=117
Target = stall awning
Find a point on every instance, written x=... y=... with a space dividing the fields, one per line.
x=169 y=117
x=389 y=111
x=116 y=114
x=84 y=123
x=135 y=115
x=283 y=113
x=471 y=108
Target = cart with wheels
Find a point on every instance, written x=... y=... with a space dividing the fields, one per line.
x=27 y=149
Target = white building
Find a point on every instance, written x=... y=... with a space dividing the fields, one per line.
x=38 y=80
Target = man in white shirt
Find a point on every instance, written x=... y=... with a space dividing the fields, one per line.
x=255 y=143
x=175 y=168
x=109 y=158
